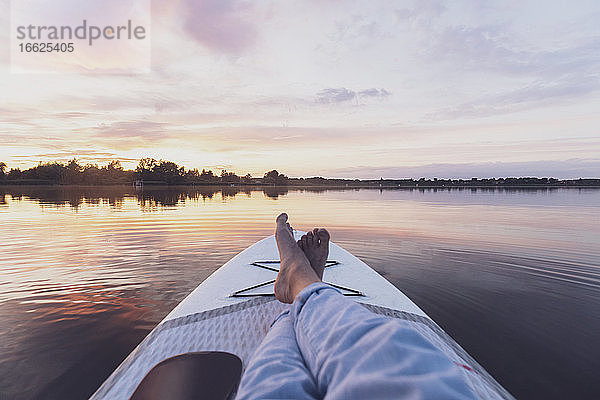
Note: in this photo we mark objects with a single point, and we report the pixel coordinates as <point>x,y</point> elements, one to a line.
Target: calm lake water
<point>86,273</point>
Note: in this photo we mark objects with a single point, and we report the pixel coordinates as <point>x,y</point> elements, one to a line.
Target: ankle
<point>301,278</point>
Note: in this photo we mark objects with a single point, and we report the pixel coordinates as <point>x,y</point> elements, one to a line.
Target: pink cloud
<point>222,25</point>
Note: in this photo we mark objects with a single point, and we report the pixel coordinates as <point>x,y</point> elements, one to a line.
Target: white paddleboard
<point>231,311</point>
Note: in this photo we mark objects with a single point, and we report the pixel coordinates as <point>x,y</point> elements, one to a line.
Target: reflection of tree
<point>154,197</point>
<point>274,192</point>
<point>161,197</point>
<point>229,191</point>
<point>151,197</point>
<point>72,196</point>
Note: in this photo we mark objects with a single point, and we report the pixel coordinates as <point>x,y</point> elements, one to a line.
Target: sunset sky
<point>362,89</point>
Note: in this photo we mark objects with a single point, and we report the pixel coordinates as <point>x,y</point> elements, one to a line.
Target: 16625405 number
<point>46,47</point>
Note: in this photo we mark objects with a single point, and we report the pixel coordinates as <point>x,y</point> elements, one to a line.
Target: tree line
<point>162,172</point>
<point>148,170</point>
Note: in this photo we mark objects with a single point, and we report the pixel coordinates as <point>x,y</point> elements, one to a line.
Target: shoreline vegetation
<point>167,173</point>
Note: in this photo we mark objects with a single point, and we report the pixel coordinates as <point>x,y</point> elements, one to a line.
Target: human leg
<point>351,352</point>
<point>355,354</point>
<point>277,369</point>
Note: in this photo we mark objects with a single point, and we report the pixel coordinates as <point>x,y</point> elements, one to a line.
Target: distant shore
<point>151,172</point>
<point>252,186</point>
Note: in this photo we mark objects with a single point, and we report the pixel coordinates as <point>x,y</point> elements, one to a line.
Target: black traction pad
<point>201,375</point>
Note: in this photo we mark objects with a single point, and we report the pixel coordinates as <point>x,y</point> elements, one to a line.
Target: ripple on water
<point>86,273</point>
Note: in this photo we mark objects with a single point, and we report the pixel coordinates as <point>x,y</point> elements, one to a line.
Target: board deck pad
<point>207,375</point>
<point>268,288</point>
<point>211,318</point>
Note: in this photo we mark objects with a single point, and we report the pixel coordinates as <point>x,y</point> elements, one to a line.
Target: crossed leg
<point>328,346</point>
<point>277,369</point>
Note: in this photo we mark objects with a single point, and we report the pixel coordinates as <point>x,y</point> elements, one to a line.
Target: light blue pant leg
<point>277,369</point>
<point>356,354</point>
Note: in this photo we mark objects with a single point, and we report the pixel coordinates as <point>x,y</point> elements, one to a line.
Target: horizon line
<point>216,169</point>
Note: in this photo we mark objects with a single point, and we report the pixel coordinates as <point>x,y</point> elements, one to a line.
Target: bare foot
<point>315,245</point>
<point>295,272</point>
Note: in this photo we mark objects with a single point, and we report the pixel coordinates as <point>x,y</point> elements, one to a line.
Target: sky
<point>336,88</point>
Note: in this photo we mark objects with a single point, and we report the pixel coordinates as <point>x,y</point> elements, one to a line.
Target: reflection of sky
<point>366,89</point>
<point>81,285</point>
<point>95,243</point>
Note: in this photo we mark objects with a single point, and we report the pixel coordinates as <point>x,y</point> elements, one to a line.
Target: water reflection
<point>148,197</point>
<point>153,196</point>
<point>59,346</point>
<point>87,272</point>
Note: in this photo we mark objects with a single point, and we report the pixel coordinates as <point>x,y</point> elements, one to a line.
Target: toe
<point>300,243</point>
<point>323,235</point>
<point>311,238</point>
<point>304,240</point>
<point>283,235</point>
<point>282,218</point>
